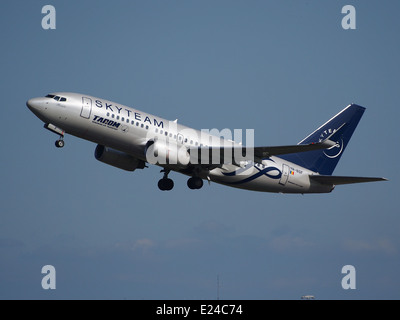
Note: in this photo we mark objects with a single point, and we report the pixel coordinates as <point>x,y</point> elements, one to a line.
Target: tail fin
<point>339,129</point>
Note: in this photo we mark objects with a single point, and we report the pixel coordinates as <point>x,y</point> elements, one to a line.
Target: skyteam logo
<point>337,149</point>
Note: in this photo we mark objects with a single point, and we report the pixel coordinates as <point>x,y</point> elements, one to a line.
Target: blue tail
<point>340,129</point>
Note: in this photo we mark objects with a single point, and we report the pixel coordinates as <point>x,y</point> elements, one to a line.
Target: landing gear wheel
<point>165,184</point>
<point>195,183</point>
<point>60,143</point>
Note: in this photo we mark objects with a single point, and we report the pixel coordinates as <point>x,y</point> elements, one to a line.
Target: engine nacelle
<point>117,158</point>
<point>166,153</point>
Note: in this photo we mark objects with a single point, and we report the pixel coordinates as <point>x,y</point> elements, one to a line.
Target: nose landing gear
<point>60,142</point>
<point>51,127</point>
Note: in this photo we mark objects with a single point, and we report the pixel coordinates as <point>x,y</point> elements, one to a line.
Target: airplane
<point>129,139</point>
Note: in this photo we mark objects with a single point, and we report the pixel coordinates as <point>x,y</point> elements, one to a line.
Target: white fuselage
<point>128,130</point>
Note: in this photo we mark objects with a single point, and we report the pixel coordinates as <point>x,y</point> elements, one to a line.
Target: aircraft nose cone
<point>33,104</point>
<point>29,104</point>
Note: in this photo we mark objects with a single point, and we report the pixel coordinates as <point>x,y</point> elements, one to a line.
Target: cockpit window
<point>57,98</point>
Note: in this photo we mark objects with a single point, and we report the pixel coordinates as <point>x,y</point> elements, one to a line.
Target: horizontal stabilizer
<point>337,180</point>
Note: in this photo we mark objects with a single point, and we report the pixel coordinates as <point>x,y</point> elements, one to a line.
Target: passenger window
<point>166,133</point>
<point>137,124</point>
<point>108,114</point>
<point>127,120</point>
<point>156,130</point>
<point>147,127</point>
<point>132,122</point>
<point>112,116</point>
<point>142,125</point>
<point>122,119</point>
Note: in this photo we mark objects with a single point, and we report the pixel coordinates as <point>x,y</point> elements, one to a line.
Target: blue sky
<point>281,68</point>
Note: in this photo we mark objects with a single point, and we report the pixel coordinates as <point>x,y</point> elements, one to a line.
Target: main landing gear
<point>195,183</point>
<point>166,184</point>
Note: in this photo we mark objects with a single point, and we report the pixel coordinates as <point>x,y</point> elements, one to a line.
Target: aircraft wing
<point>263,152</point>
<point>223,155</point>
<point>336,180</point>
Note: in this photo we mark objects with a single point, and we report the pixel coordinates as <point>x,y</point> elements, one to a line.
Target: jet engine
<point>117,158</point>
